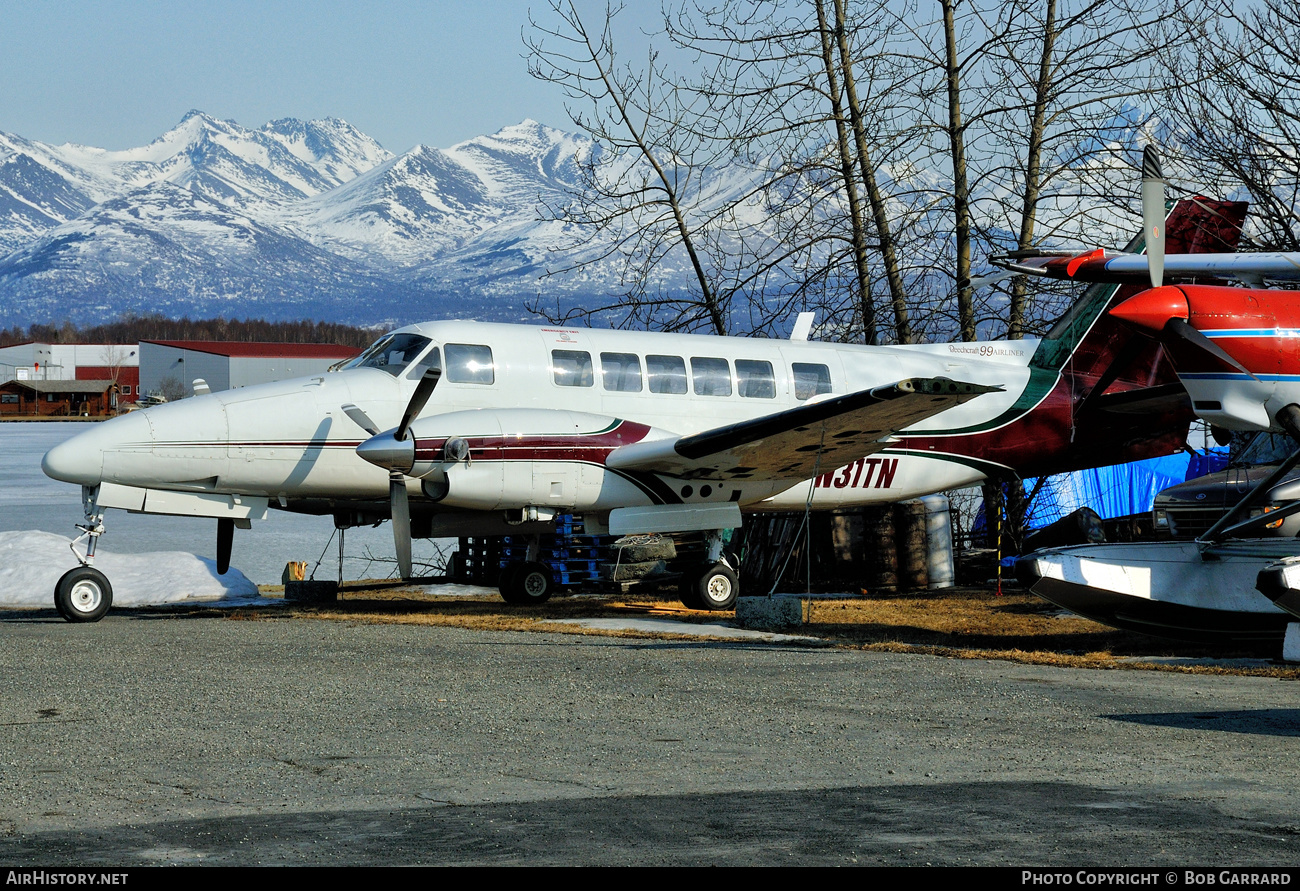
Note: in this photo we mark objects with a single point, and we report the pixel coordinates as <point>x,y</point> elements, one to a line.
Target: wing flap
<point>795,443</point>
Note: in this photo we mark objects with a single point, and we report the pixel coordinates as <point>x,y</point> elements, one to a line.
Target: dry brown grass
<point>969,623</point>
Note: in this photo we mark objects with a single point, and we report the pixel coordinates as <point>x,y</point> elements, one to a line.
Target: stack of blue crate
<point>573,556</point>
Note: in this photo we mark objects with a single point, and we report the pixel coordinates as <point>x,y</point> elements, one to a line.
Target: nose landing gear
<point>83,593</point>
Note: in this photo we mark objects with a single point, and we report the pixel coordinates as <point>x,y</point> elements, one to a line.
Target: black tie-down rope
<point>805,528</point>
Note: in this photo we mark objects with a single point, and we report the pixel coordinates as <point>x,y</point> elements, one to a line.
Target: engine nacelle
<point>525,458</point>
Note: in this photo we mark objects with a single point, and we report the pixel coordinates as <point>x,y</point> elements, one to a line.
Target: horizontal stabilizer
<point>797,443</point>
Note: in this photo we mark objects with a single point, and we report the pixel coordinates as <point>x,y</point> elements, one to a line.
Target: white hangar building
<point>225,365</point>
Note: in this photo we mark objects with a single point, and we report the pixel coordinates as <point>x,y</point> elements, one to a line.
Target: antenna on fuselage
<point>803,326</point>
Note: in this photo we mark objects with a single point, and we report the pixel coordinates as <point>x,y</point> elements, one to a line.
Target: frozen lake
<point>29,500</point>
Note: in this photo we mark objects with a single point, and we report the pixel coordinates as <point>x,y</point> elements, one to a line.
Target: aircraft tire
<point>686,588</point>
<point>83,594</point>
<point>717,587</point>
<point>506,582</point>
<point>531,583</point>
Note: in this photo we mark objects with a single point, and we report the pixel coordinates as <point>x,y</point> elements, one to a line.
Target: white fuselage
<point>290,442</point>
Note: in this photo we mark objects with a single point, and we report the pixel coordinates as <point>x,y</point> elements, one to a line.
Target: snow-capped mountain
<point>292,219</point>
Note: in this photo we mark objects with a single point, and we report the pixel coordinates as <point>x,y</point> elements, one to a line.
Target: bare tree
<point>1071,78</point>
<point>1235,109</point>
<point>787,84</point>
<point>114,358</point>
<point>870,180</point>
<point>883,145</point>
<point>171,388</point>
<point>640,185</point>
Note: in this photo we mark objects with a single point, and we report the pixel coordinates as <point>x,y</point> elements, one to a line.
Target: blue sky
<point>117,74</point>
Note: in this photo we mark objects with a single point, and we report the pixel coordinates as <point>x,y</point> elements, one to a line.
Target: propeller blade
<point>1153,213</point>
<point>1196,338</point>
<point>225,541</point>
<point>423,390</point>
<point>401,510</point>
<point>360,418</point>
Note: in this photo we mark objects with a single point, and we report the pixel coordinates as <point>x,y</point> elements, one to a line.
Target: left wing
<point>800,442</point>
<point>1107,266</point>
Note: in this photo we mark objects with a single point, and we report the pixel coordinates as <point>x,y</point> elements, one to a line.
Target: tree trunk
<point>850,183</point>
<point>897,294</point>
<point>960,189</point>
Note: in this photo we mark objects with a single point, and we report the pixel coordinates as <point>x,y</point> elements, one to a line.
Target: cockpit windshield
<point>392,353</point>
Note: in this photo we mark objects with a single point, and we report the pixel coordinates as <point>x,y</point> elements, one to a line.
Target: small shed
<point>57,398</point>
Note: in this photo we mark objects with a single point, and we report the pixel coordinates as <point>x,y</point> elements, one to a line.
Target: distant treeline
<point>134,329</point>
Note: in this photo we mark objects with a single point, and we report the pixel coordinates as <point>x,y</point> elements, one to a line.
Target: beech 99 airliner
<point>463,428</point>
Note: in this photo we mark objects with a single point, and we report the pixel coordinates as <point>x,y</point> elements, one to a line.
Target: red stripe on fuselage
<point>589,447</point>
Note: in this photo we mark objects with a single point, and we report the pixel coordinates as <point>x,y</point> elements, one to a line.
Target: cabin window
<point>126,389</point>
<point>712,377</point>
<point>572,368</point>
<point>620,372</point>
<point>9,398</point>
<point>392,353</point>
<point>432,359</point>
<point>811,380</point>
<point>667,374</point>
<point>470,363</point>
<point>754,379</point>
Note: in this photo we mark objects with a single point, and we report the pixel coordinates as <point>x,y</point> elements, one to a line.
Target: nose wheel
<point>83,594</point>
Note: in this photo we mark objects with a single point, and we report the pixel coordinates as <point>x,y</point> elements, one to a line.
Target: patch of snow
<point>31,564</point>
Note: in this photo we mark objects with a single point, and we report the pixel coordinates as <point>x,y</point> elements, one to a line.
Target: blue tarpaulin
<point>1119,490</point>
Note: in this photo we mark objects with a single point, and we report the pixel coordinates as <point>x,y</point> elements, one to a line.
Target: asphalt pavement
<point>174,738</point>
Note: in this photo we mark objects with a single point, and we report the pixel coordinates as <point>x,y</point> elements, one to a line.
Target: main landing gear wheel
<point>83,594</point>
<point>505,581</point>
<point>713,588</point>
<point>527,583</point>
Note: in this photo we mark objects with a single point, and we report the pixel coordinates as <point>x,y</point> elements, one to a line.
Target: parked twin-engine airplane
<point>493,429</point>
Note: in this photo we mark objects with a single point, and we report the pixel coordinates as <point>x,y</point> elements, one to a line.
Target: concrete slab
<point>781,612</point>
<point>690,629</point>
<point>1204,661</point>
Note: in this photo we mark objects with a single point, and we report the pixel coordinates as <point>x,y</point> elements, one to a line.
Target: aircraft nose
<point>387,451</point>
<point>1153,308</point>
<point>80,460</point>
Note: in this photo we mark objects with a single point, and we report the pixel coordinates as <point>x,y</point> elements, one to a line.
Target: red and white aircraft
<point>1236,349</point>
<point>494,429</point>
<point>1237,352</point>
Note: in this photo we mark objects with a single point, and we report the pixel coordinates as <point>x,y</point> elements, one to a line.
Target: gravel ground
<point>149,739</point>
